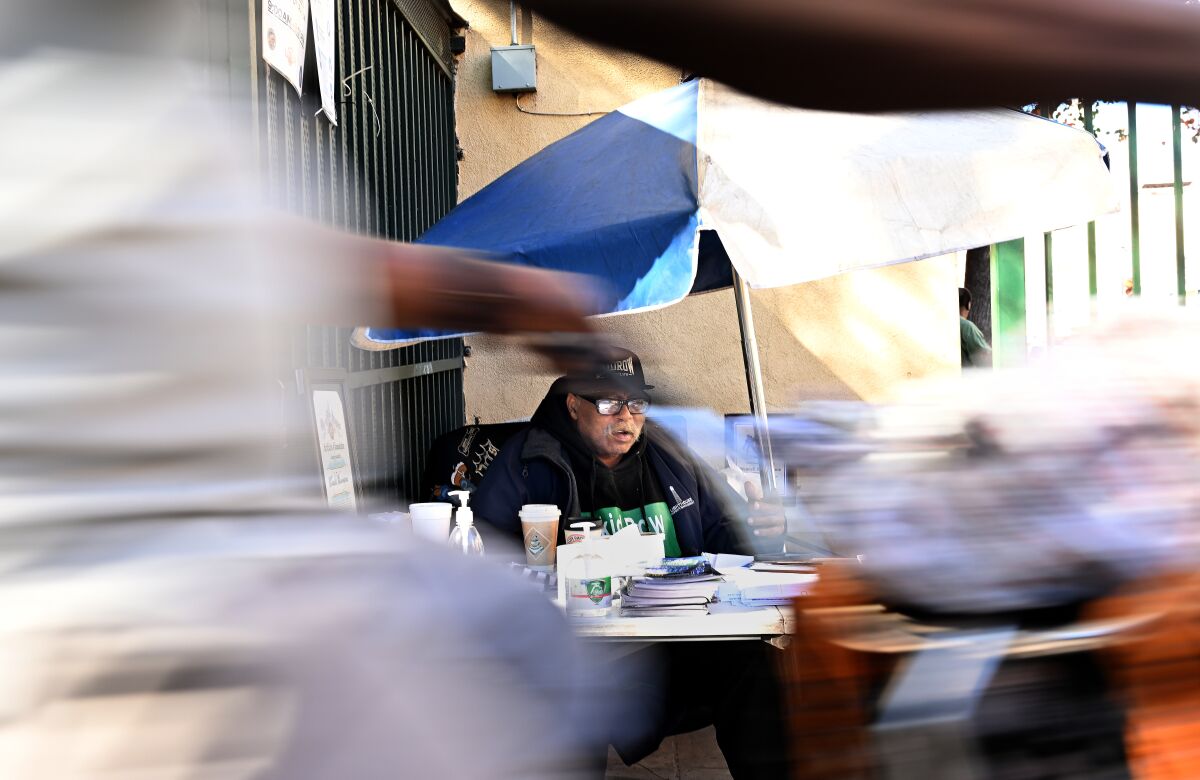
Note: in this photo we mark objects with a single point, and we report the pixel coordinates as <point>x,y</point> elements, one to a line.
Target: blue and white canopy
<point>794,195</point>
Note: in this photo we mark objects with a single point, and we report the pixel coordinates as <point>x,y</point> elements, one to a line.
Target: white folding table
<point>724,622</point>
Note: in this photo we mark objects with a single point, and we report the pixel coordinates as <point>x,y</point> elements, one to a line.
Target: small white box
<point>514,68</point>
<point>623,555</point>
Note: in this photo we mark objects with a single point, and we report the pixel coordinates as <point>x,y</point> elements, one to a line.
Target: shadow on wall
<point>691,352</point>
<point>700,352</point>
<point>691,364</point>
<point>858,336</point>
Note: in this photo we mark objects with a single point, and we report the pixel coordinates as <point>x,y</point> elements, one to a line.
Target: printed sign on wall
<point>323,20</point>
<point>333,442</point>
<point>285,38</point>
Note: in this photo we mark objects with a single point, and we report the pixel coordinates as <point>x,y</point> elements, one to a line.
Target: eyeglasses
<point>611,406</point>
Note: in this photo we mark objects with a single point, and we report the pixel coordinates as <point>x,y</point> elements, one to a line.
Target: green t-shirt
<point>975,349</point>
<point>656,520</point>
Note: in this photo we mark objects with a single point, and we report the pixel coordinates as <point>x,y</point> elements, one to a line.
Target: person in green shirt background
<point>975,350</point>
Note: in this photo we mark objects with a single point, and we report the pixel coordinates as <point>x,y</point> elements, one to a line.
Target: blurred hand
<point>545,309</point>
<point>430,287</point>
<point>413,286</point>
<point>765,518</point>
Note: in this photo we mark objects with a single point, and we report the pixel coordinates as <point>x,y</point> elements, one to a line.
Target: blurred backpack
<point>459,459</point>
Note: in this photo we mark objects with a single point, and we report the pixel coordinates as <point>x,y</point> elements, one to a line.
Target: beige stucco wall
<point>855,336</point>
<point>572,77</point>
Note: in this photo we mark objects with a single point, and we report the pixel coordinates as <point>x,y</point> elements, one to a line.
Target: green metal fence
<point>1009,289</point>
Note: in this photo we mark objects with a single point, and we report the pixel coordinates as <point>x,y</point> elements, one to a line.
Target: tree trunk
<point>979,284</point>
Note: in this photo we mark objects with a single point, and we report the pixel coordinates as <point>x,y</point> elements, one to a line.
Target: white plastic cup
<point>431,520</point>
<point>539,531</point>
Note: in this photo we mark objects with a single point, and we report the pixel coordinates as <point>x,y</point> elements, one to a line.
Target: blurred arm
<point>391,284</point>
<point>878,55</point>
<point>347,280</point>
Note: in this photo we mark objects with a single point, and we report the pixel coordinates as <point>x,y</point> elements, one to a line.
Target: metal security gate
<point>388,169</point>
<point>398,401</point>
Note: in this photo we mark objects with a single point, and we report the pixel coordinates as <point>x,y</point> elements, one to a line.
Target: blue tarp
<point>617,199</point>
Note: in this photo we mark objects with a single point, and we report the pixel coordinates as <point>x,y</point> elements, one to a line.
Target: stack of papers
<point>723,561</point>
<point>669,595</point>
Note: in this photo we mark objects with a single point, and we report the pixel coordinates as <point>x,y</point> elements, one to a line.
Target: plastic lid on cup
<point>431,509</point>
<point>540,510</point>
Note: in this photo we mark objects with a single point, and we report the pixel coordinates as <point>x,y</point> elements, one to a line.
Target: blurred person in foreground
<point>976,353</point>
<point>590,451</point>
<point>172,601</point>
<point>1028,499</point>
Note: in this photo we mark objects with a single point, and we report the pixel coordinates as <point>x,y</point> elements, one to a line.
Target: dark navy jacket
<point>533,469</point>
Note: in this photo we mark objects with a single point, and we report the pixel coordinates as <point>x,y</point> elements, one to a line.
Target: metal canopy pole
<point>754,382</point>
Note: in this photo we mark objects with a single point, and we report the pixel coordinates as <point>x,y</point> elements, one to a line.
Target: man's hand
<point>765,518</point>
<point>433,287</point>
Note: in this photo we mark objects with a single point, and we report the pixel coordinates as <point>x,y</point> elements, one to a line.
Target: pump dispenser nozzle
<point>465,536</point>
<point>463,515</point>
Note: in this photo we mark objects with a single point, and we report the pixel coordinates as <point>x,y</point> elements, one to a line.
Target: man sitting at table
<point>590,451</point>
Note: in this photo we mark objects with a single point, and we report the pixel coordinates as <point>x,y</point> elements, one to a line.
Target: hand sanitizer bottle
<point>589,594</point>
<point>465,536</point>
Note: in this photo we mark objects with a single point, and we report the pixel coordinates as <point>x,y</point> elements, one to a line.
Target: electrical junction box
<point>514,68</point>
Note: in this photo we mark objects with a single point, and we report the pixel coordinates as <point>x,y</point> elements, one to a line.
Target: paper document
<point>723,561</point>
<point>758,589</point>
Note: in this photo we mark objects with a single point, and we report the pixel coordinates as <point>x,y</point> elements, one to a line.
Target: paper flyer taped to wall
<point>285,38</point>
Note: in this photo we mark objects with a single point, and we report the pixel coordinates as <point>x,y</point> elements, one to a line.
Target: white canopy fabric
<point>798,195</point>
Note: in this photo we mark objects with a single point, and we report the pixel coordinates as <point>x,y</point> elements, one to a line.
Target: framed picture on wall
<point>331,432</point>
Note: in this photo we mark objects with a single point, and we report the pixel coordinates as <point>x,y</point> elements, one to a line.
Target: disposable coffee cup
<point>539,530</point>
<point>431,520</point>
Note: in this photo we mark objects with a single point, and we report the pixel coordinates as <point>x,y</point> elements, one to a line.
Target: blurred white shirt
<point>159,616</point>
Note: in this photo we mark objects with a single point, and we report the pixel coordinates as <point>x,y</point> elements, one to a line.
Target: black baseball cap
<point>621,371</point>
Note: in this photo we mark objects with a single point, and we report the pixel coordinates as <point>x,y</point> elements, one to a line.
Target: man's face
<point>608,436</point>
